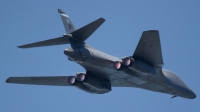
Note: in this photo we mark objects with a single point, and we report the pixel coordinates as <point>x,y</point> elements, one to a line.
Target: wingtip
<point>8,80</point>
<point>22,47</point>
<point>19,46</point>
<point>102,19</point>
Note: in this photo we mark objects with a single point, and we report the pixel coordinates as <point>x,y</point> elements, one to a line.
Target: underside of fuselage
<point>150,78</point>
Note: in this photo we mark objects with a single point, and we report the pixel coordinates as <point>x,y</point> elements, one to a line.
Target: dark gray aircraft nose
<point>193,95</point>
<point>189,93</point>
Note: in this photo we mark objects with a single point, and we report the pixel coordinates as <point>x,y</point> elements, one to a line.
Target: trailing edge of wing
<point>149,48</point>
<point>51,80</point>
<point>50,42</point>
<point>83,33</point>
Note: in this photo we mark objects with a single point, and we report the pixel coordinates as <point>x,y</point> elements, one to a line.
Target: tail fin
<point>149,48</point>
<point>73,36</point>
<point>83,33</point>
<point>69,27</point>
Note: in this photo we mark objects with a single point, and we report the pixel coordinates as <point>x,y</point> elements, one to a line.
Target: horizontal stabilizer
<point>49,80</point>
<point>83,33</point>
<point>149,48</point>
<point>50,42</point>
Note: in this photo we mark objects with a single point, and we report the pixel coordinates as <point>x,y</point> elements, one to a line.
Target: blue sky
<point>24,21</point>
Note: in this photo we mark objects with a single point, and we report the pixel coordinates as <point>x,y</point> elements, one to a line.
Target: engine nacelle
<point>117,65</point>
<point>137,66</point>
<point>126,62</point>
<point>90,83</point>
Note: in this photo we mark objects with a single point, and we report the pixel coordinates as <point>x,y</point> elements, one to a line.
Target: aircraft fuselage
<point>139,74</point>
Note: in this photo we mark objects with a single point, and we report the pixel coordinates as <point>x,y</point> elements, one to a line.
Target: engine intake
<point>137,66</point>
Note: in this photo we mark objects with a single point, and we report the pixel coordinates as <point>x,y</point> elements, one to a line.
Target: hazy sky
<point>27,21</point>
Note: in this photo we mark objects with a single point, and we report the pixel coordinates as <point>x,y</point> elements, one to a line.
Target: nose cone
<point>193,95</point>
<point>190,94</point>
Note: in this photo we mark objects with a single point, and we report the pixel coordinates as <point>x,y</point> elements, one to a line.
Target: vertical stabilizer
<point>73,36</point>
<point>69,27</point>
<point>149,48</point>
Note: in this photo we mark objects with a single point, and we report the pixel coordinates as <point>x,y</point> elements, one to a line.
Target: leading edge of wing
<point>149,48</point>
<point>48,80</point>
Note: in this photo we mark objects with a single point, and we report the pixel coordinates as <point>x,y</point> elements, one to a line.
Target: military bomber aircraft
<point>141,70</point>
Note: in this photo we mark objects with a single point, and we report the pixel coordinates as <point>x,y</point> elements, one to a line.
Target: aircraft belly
<point>124,79</point>
<point>153,87</point>
<point>99,65</point>
<point>117,78</point>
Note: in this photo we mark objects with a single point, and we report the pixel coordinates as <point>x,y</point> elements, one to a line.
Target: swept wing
<point>48,80</point>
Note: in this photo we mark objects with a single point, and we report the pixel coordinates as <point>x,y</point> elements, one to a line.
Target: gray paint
<point>145,70</point>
